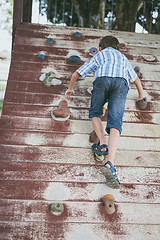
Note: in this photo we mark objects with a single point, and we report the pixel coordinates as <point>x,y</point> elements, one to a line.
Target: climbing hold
<point>99,157</point>
<point>47,78</point>
<point>42,77</point>
<point>142,104</point>
<point>42,56</point>
<point>56,81</point>
<point>149,58</point>
<point>56,208</point>
<point>104,111</point>
<point>109,201</point>
<point>77,34</point>
<point>62,113</point>
<point>93,51</point>
<point>93,138</point>
<point>74,59</point>
<point>137,70</point>
<point>89,90</point>
<point>50,40</point>
<point>122,45</point>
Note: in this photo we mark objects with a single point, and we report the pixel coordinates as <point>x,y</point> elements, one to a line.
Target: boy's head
<point>109,41</point>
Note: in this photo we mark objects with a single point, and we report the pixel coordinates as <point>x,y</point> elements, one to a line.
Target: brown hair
<point>109,41</point>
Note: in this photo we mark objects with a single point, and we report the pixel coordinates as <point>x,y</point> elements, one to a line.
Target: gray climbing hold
<point>137,70</point>
<point>142,104</point>
<point>74,59</point>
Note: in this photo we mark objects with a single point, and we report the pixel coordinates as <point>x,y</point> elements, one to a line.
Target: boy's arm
<point>139,87</point>
<point>70,90</point>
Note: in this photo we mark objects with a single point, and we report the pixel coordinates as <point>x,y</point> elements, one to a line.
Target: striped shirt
<point>109,62</point>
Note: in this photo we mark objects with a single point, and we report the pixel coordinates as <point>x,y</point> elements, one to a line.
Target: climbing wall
<point>46,162</point>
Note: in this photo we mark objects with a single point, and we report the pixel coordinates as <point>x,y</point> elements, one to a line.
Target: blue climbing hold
<point>77,34</point>
<point>50,40</point>
<point>42,56</point>
<point>74,59</point>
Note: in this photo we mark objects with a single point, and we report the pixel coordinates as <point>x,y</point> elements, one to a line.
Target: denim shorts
<point>111,90</point>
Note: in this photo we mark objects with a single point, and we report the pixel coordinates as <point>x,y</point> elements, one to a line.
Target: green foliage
<point>6,15</point>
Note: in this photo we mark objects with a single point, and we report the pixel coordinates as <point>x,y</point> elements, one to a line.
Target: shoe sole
<point>111,181</point>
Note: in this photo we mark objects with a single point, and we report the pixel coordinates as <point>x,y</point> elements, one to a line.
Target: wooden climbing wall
<point>44,161</point>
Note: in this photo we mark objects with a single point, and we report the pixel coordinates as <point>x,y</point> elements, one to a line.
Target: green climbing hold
<point>56,207</point>
<point>99,157</point>
<point>48,79</point>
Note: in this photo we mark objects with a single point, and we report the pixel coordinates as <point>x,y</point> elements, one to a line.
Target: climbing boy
<point>111,84</point>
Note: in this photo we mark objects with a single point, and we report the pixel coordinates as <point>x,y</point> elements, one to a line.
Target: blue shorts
<point>111,90</point>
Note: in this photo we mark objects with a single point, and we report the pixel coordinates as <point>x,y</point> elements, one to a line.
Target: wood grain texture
<point>45,161</point>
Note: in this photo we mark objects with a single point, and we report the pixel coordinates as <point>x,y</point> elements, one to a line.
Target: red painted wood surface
<point>43,161</point>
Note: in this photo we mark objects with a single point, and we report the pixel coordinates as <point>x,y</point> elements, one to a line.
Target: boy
<point>111,84</point>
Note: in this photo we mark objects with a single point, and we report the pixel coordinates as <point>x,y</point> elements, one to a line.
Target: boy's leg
<point>98,127</point>
<point>112,140</point>
<point>113,144</point>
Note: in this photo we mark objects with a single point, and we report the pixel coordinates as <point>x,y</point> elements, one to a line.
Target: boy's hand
<point>68,93</point>
<point>141,97</point>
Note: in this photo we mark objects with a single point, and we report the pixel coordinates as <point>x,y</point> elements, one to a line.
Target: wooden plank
<point>74,126</point>
<point>80,90</point>
<point>30,79</point>
<point>67,70</point>
<point>80,191</point>
<point>75,102</point>
<point>84,44</point>
<point>29,110</point>
<point>34,75</point>
<point>35,138</point>
<point>30,54</point>
<point>68,231</point>
<point>130,38</point>
<point>82,212</point>
<point>89,32</point>
<point>23,153</point>
<point>66,67</point>
<point>75,173</point>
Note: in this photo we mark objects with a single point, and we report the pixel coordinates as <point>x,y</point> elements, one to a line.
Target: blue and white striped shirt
<point>108,62</point>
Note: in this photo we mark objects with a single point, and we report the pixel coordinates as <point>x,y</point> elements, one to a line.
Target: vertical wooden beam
<point>17,16</point>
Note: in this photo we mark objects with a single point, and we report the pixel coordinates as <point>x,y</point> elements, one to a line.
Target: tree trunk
<point>126,12</point>
<point>87,12</point>
<point>27,10</point>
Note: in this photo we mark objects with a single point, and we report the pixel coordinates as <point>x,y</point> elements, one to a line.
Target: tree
<point>93,13</point>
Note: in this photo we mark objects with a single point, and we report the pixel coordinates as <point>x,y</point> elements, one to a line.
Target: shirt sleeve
<point>131,73</point>
<point>88,67</point>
